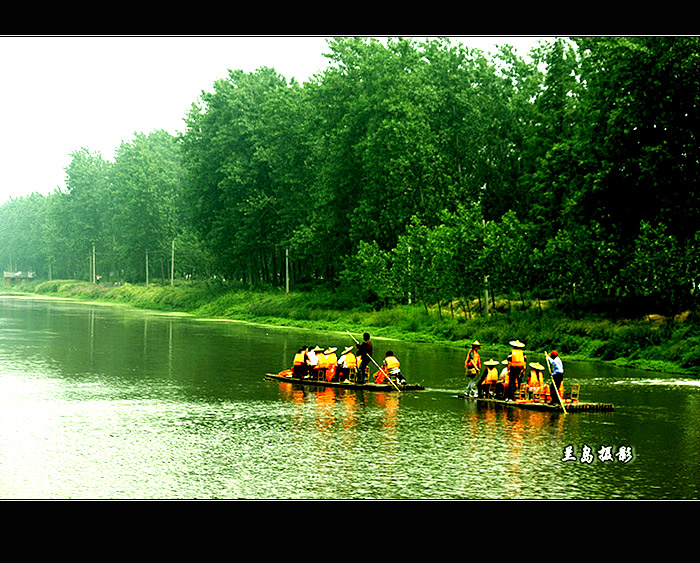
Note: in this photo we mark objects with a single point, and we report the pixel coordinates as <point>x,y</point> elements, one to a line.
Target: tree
<point>367,275</point>
<point>639,141</point>
<point>82,216</point>
<point>230,188</point>
<point>23,234</point>
<point>655,270</point>
<point>146,179</point>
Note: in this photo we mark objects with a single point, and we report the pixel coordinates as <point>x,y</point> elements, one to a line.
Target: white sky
<point>59,94</point>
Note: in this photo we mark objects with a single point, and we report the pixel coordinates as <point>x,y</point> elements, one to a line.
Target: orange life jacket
<point>473,362</point>
<point>517,358</point>
<point>350,360</point>
<point>491,375</point>
<point>392,363</point>
<point>535,379</point>
<point>331,361</point>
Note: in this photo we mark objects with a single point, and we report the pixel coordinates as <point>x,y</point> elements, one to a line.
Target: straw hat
<point>537,366</point>
<point>516,344</point>
<point>491,362</point>
<point>330,350</point>
<point>317,349</point>
<point>347,350</point>
<point>476,343</point>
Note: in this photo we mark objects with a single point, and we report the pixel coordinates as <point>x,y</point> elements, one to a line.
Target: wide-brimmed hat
<point>537,366</point>
<point>491,362</point>
<point>330,350</point>
<point>317,349</point>
<point>516,344</point>
<point>347,349</point>
<point>476,343</point>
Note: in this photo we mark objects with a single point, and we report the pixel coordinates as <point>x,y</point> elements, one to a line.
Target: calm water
<point>106,402</point>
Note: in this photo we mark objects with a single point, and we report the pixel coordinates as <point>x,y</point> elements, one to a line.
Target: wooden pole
<point>554,384</point>
<point>376,364</point>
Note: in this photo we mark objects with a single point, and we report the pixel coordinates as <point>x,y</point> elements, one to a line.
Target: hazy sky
<point>59,94</point>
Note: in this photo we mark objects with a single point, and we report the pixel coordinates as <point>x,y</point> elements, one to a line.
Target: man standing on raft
<point>472,365</point>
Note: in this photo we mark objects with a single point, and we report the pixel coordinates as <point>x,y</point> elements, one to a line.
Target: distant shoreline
<point>640,344</point>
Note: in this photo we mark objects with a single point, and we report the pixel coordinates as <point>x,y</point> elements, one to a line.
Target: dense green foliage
<point>407,172</point>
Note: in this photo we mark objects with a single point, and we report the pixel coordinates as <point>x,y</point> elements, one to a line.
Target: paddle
<point>554,385</point>
<point>375,363</point>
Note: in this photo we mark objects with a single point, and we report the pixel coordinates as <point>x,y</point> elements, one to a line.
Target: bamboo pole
<point>554,385</point>
<point>376,364</point>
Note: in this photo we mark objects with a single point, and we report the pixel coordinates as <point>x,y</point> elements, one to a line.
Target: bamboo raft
<point>287,377</point>
<point>542,406</point>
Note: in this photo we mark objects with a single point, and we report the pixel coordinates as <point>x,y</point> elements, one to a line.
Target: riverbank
<point>663,344</point>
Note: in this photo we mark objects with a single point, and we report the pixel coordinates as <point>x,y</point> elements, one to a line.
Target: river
<point>109,402</point>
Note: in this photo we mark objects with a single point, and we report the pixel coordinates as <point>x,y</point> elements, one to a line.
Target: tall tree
<point>228,182</point>
<point>82,216</point>
<point>146,176</point>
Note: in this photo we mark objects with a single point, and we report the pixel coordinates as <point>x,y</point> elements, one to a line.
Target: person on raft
<point>472,365</point>
<point>391,368</point>
<point>557,367</point>
<point>364,350</point>
<point>517,360</point>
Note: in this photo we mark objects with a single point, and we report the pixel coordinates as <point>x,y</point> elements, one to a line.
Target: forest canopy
<point>418,171</point>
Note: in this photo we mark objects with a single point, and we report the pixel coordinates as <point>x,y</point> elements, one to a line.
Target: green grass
<point>668,344</point>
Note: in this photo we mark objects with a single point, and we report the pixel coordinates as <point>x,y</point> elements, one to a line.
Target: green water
<point>101,402</point>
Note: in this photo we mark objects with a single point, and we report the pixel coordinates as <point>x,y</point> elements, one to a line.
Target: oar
<point>375,363</point>
<point>554,384</point>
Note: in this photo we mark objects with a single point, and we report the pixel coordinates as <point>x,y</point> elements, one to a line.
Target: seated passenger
<point>299,365</point>
<point>331,363</point>
<point>535,381</point>
<point>346,363</point>
<point>491,377</point>
<point>312,361</point>
<point>392,368</point>
<point>503,381</point>
<point>322,363</point>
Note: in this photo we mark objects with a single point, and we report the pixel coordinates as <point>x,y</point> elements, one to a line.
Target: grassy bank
<point>651,342</point>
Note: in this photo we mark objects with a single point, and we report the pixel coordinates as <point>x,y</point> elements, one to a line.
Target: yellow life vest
<point>322,362</point>
<point>299,359</point>
<point>392,363</point>
<point>350,360</point>
<point>535,379</point>
<point>517,358</point>
<point>491,375</point>
<point>473,362</point>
